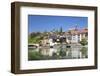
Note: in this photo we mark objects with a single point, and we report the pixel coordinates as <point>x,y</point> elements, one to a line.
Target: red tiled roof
<point>84,30</point>
<point>76,31</point>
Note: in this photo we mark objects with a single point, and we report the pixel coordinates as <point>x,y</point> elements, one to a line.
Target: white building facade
<point>75,35</point>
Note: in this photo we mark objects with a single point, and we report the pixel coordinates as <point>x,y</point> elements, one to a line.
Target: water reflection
<point>57,52</point>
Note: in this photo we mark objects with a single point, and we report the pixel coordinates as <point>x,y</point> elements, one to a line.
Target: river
<point>57,52</point>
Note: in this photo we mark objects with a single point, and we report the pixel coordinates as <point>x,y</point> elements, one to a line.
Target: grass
<point>35,39</point>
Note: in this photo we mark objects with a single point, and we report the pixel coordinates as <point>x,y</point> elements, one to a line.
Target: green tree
<point>83,42</point>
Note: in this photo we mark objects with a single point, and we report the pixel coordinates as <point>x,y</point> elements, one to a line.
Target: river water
<point>57,52</point>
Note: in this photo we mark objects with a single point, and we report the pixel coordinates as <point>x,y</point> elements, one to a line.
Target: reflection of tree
<point>34,55</point>
<point>84,51</point>
<point>54,54</point>
<point>62,51</point>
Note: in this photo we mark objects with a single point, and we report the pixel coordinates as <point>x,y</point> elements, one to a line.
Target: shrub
<point>83,42</point>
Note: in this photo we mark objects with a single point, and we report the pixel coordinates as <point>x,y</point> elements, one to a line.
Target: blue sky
<point>41,23</point>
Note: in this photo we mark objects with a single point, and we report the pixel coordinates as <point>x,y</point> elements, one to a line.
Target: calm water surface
<point>57,52</point>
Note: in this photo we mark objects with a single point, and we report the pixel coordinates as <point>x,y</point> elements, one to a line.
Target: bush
<point>83,42</point>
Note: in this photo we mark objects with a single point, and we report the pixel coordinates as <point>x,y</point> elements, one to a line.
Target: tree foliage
<point>83,42</point>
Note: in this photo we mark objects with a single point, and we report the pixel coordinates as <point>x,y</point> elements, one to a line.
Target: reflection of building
<point>75,35</point>
<point>73,52</point>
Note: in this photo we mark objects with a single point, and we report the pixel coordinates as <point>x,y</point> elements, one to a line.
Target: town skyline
<point>42,23</point>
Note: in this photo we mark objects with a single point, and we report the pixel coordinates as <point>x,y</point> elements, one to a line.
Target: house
<point>76,35</point>
<point>44,41</point>
<point>71,36</point>
<point>52,40</point>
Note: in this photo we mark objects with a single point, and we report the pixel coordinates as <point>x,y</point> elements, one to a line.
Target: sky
<point>41,23</point>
